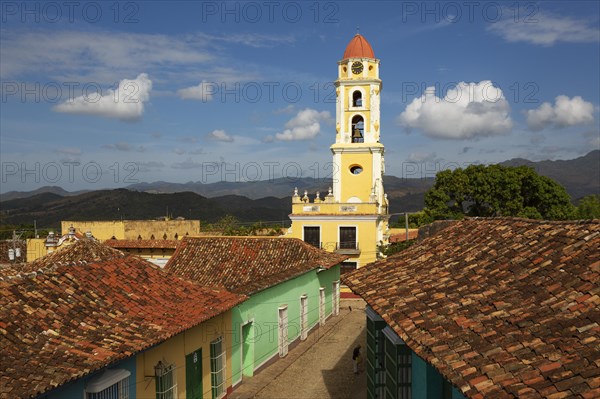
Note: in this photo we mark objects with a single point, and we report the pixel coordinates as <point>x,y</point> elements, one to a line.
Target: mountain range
<point>248,201</point>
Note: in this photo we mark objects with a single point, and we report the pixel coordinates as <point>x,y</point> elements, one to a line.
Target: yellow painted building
<point>187,352</point>
<point>147,233</point>
<point>353,217</point>
<point>170,229</point>
<point>38,247</point>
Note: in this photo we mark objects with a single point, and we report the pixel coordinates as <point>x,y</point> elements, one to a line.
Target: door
<point>247,350</point>
<point>193,375</point>
<point>348,238</point>
<point>312,235</point>
<point>283,331</point>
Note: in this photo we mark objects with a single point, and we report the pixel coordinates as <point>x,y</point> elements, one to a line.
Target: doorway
<point>193,375</point>
<point>248,349</point>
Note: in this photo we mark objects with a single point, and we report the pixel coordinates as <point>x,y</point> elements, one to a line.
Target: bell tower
<point>357,152</point>
<point>352,218</point>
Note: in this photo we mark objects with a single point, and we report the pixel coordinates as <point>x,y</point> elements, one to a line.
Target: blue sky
<point>104,94</point>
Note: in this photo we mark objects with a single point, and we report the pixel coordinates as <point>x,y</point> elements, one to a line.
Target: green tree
<point>228,225</point>
<point>496,190</point>
<point>589,207</point>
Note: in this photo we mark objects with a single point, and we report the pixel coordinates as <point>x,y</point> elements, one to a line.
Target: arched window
<point>358,126</point>
<point>357,99</point>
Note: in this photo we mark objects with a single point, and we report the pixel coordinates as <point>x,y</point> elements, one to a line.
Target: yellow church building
<point>352,218</point>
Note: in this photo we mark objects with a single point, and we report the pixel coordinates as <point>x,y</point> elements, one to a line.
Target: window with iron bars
<point>112,384</point>
<point>166,381</point>
<point>217,368</point>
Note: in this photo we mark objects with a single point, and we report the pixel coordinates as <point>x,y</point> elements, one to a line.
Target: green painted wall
<point>261,340</point>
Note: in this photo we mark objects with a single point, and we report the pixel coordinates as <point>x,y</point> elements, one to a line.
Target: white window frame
<point>322,306</point>
<point>103,385</point>
<point>282,322</point>
<point>335,294</point>
<point>168,391</point>
<point>303,317</point>
<point>218,390</point>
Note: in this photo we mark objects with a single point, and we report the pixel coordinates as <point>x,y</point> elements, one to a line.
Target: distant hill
<point>281,187</point>
<point>579,176</point>
<point>46,189</point>
<point>48,209</point>
<point>248,201</point>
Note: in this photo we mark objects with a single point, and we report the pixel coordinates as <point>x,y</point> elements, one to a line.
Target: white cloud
<point>125,103</point>
<point>69,151</point>
<point>188,164</point>
<point>203,91</point>
<point>151,165</point>
<point>545,29</point>
<point>422,157</point>
<point>220,135</point>
<point>124,146</point>
<point>99,55</point>
<point>467,111</point>
<point>178,151</point>
<point>565,112</point>
<point>593,139</point>
<point>304,126</point>
<point>256,40</point>
<point>285,110</point>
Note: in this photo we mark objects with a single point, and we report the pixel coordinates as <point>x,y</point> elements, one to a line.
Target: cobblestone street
<point>320,366</point>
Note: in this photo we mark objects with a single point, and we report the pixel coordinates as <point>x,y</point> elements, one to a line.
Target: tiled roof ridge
<point>232,261</point>
<point>41,270</point>
<point>315,251</point>
<point>54,267</point>
<point>144,243</point>
<point>535,221</point>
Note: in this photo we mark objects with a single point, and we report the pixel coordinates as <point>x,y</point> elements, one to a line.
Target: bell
<point>356,134</point>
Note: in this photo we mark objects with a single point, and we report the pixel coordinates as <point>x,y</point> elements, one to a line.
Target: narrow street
<point>321,366</point>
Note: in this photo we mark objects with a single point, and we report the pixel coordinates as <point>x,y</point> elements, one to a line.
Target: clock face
<point>357,67</point>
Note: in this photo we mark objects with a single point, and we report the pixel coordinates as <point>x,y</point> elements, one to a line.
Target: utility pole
<point>15,251</point>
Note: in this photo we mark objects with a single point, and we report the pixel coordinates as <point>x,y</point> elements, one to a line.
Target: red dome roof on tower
<point>358,47</point>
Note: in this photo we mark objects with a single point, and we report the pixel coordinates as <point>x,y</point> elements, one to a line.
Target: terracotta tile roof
<point>401,237</point>
<point>68,322</point>
<point>153,244</point>
<point>358,47</point>
<point>246,264</point>
<point>501,307</point>
<point>81,251</point>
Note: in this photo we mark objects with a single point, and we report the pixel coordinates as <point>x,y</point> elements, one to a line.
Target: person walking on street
<point>356,358</point>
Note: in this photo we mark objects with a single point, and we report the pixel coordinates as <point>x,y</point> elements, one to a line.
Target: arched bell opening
<point>358,127</point>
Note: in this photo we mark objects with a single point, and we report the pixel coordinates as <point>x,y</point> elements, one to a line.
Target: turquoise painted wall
<point>75,389</point>
<point>262,311</point>
<point>426,381</point>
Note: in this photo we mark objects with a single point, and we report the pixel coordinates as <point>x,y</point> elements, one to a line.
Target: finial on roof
<point>357,30</point>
